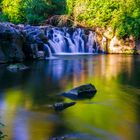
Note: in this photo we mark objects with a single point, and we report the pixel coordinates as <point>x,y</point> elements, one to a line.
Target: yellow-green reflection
<point>113,108</point>
<point>111,114</point>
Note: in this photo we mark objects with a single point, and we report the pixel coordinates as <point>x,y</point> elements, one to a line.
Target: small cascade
<point>70,40</point>
<point>47,49</point>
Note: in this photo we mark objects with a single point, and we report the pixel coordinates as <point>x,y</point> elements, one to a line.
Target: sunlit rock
<point>82,92</point>
<point>122,46</point>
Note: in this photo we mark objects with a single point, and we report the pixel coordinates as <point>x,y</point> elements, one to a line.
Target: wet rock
<point>61,106</point>
<point>17,67</point>
<point>11,43</point>
<point>82,92</point>
<point>2,57</point>
<point>35,40</point>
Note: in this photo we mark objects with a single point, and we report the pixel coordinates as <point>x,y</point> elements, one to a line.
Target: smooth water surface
<point>113,113</point>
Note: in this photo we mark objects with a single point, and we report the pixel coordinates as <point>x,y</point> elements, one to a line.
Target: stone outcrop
<point>11,43</point>
<point>20,42</point>
<point>35,40</point>
<point>111,44</point>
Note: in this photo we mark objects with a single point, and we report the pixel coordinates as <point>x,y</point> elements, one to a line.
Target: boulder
<point>61,106</point>
<point>86,91</point>
<point>11,43</point>
<point>17,67</point>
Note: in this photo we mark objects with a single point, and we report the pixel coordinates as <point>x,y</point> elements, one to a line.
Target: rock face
<point>111,44</point>
<point>86,91</point>
<point>20,42</point>
<point>11,43</point>
<point>35,40</point>
<point>122,46</point>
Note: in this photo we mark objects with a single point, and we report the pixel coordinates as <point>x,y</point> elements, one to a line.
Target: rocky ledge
<point>20,42</point>
<point>114,45</point>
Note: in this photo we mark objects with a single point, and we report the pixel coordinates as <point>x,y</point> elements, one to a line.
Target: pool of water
<point>112,114</point>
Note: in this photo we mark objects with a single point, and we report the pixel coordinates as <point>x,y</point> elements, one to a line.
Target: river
<point>112,114</point>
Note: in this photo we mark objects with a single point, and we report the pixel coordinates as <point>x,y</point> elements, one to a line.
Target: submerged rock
<point>61,106</point>
<point>17,67</point>
<point>58,138</point>
<point>82,92</point>
<point>75,136</point>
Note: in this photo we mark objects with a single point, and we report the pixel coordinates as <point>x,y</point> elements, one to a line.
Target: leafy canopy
<point>123,16</point>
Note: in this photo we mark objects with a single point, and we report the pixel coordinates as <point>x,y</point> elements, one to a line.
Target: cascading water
<point>70,40</point>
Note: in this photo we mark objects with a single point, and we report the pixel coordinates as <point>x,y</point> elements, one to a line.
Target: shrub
<point>31,11</point>
<point>13,10</point>
<point>36,10</point>
<point>122,16</point>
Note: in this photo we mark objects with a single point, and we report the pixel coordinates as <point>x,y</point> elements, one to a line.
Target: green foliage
<point>31,11</point>
<point>59,6</point>
<point>13,10</point>
<point>122,15</point>
<point>36,10</point>
<point>70,7</point>
<point>3,18</point>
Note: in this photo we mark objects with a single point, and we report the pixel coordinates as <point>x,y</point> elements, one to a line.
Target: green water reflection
<point>113,114</point>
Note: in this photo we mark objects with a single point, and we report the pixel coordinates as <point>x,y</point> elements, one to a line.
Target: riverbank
<point>23,42</point>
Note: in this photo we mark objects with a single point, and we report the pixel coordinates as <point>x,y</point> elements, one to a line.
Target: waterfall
<point>70,40</point>
<point>47,49</point>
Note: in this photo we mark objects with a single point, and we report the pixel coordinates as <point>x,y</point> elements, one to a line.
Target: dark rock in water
<point>17,67</point>
<point>62,106</point>
<point>82,92</point>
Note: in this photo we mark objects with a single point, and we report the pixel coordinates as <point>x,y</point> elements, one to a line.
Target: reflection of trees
<point>115,111</point>
<point>131,95</point>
